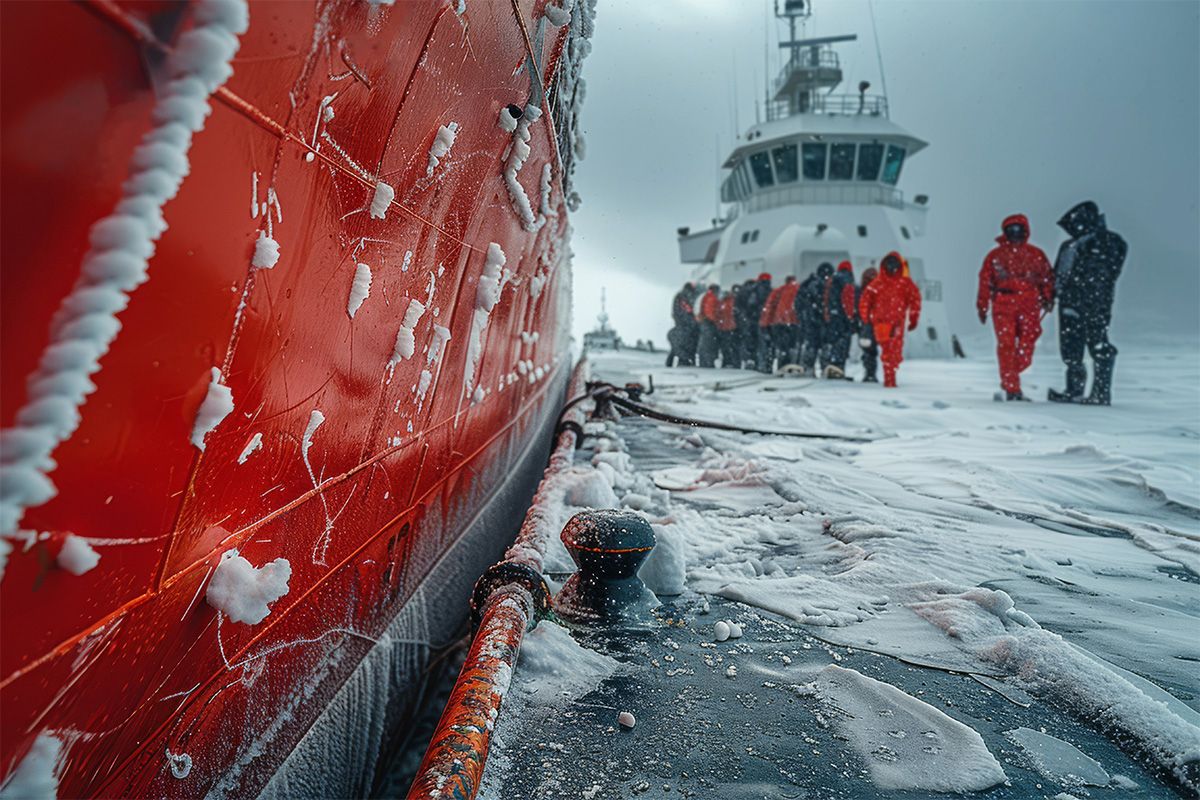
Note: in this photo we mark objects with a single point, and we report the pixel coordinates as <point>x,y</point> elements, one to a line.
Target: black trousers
<point>835,343</point>
<point>1079,331</point>
<point>708,346</point>
<point>870,351</point>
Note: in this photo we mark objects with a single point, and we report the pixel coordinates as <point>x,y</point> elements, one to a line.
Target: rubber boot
<point>1101,382</point>
<point>1076,380</point>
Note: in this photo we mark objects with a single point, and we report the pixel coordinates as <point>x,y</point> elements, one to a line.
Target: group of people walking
<point>800,326</point>
<point>808,326</point>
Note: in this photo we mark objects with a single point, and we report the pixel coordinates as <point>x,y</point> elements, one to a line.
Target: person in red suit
<point>890,300</point>
<point>709,346</point>
<point>1016,281</point>
<point>727,328</point>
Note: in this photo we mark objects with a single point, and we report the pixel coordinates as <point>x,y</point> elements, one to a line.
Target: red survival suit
<point>1018,283</point>
<point>886,303</point>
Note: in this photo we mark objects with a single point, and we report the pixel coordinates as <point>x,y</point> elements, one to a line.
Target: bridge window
<point>760,165</point>
<point>814,161</point>
<point>870,156</point>
<point>841,162</point>
<point>785,163</point>
<point>891,166</point>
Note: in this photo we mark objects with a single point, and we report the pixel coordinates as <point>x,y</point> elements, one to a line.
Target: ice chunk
<point>253,445</point>
<point>77,556</point>
<point>442,142</point>
<point>217,405</point>
<point>406,340</point>
<point>423,383</point>
<point>557,16</point>
<point>36,777</point>
<point>266,252</point>
<point>487,295</point>
<point>1058,760</point>
<point>665,570</point>
<point>721,631</point>
<point>626,720</point>
<point>588,489</point>
<point>383,197</point>
<point>244,592</point>
<point>360,289</point>
<point>906,743</point>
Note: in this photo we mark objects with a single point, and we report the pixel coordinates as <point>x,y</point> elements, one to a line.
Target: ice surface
<point>216,406</point>
<point>360,289</point>
<point>1054,546</point>
<point>906,743</point>
<point>77,556</point>
<point>1058,760</point>
<point>36,776</point>
<point>243,592</point>
<point>552,671</point>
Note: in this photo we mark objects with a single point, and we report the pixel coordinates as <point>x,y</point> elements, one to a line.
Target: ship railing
<point>846,105</point>
<point>811,58</point>
<point>825,194</point>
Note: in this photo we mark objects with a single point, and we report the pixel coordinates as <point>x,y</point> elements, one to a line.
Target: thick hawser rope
<point>122,244</point>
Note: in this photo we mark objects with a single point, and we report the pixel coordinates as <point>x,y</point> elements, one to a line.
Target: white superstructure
<point>818,181</point>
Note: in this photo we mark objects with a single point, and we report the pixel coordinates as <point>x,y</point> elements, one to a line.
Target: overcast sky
<point>1027,106</point>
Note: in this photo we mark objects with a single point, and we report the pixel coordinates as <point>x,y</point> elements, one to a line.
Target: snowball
<point>626,720</point>
<point>77,556</point>
<point>721,631</point>
<point>266,252</point>
<point>735,630</point>
<point>244,592</point>
<point>217,405</point>
<point>360,289</point>
<point>384,195</point>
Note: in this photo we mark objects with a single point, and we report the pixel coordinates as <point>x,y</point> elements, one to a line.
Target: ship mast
<point>812,65</point>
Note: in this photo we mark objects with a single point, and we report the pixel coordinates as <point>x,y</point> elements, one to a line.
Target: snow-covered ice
<point>1050,551</point>
<point>906,743</point>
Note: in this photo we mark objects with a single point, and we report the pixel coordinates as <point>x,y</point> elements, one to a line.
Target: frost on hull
<point>359,505</point>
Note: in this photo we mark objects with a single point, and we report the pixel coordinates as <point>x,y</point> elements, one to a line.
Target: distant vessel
<point>817,181</point>
<point>602,337</point>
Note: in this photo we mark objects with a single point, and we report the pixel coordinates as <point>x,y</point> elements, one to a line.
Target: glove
<point>983,316</point>
<point>912,325</point>
<point>1048,305</point>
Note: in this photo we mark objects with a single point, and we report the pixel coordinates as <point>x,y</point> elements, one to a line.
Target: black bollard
<point>609,546</point>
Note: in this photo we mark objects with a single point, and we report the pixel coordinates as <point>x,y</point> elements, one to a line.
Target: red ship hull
<point>386,510</point>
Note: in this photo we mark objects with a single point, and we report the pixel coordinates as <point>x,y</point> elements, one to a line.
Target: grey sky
<point>1027,106</point>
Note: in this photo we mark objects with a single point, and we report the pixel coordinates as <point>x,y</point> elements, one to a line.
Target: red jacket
<point>708,307</point>
<point>725,319</point>
<point>785,307</point>
<point>890,300</point>
<point>848,289</point>
<point>1018,272</point>
<point>767,317</point>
